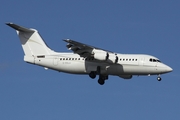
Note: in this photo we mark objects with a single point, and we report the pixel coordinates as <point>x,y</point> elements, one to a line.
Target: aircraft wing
<point>82,49</point>
<point>87,51</point>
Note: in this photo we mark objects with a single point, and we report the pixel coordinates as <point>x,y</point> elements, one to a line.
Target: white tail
<point>31,41</point>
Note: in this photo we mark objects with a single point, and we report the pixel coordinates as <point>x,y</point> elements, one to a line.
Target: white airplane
<point>87,59</point>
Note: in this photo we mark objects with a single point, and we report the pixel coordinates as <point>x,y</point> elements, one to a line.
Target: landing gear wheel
<point>159,78</point>
<point>92,75</point>
<point>101,82</point>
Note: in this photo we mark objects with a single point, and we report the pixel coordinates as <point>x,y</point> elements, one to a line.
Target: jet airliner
<point>86,59</point>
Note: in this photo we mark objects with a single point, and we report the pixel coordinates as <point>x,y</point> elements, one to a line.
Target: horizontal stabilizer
<point>19,28</point>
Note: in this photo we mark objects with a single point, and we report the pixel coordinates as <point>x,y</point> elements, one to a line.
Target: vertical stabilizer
<point>31,41</point>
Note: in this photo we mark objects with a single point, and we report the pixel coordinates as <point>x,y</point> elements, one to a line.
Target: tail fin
<point>31,41</point>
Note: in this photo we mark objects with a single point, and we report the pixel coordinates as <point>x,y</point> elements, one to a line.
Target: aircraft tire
<point>159,78</point>
<point>101,82</point>
<point>92,75</point>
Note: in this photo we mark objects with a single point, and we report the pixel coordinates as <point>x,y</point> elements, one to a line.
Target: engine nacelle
<point>105,56</point>
<point>112,58</point>
<point>100,54</point>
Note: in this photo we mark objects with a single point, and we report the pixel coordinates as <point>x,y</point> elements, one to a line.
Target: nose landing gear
<point>159,78</point>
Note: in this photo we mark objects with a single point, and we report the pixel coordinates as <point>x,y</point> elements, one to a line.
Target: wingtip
<point>66,40</point>
<point>8,23</point>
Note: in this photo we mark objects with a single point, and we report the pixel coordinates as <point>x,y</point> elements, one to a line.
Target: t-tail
<point>32,43</point>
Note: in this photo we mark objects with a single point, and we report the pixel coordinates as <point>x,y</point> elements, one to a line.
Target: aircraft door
<point>156,63</point>
<point>55,61</point>
<point>141,61</point>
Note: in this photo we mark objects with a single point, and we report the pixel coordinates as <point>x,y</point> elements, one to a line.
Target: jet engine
<point>112,58</point>
<point>100,54</point>
<point>105,56</point>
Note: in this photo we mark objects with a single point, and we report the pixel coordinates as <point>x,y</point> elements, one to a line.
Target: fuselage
<point>128,64</point>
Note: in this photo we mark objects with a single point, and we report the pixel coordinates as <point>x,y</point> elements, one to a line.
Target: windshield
<point>154,60</point>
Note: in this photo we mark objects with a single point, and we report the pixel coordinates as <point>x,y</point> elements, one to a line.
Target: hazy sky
<point>29,92</point>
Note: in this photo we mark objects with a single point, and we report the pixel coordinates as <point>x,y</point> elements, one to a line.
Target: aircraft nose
<point>169,69</point>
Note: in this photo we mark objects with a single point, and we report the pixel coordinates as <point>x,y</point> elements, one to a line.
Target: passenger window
<point>78,58</point>
<point>69,58</point>
<point>60,58</point>
<point>63,58</point>
<point>75,58</point>
<point>72,58</point>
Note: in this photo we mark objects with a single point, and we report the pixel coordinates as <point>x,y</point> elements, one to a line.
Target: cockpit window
<point>150,59</point>
<point>154,60</point>
<point>158,61</point>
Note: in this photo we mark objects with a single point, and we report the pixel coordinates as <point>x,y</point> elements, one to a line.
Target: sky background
<point>28,92</point>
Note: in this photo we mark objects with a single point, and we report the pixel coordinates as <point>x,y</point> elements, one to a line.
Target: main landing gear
<point>101,79</point>
<point>92,74</point>
<point>101,82</point>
